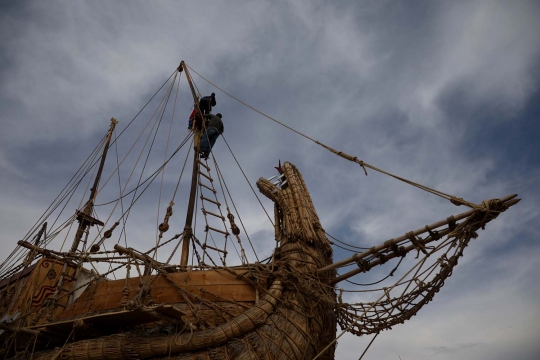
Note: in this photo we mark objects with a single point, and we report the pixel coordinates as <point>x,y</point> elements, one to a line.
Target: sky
<point>443,93</point>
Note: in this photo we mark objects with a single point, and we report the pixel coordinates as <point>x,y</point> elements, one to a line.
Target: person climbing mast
<point>214,127</point>
<point>206,103</point>
<point>192,118</point>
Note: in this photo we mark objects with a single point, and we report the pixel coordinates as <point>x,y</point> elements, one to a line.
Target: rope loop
<point>361,163</point>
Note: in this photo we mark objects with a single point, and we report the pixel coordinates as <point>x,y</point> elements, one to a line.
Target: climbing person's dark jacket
<point>209,99</point>
<point>213,120</point>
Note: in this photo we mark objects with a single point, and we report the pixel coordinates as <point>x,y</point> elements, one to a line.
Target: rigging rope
<point>370,307</point>
<point>236,210</point>
<point>161,107</point>
<point>242,257</point>
<point>249,183</point>
<point>158,121</point>
<point>163,172</point>
<point>380,281</point>
<point>347,244</point>
<point>81,172</point>
<point>90,162</point>
<point>81,201</point>
<point>77,174</point>
<point>120,198</point>
<point>154,175</point>
<point>145,105</point>
<point>165,98</point>
<point>455,200</point>
<point>371,342</point>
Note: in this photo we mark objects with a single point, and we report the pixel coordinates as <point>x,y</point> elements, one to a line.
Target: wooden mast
<point>197,128</point>
<point>85,217</point>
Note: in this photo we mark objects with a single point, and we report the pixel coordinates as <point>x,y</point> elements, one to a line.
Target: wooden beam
<point>389,243</point>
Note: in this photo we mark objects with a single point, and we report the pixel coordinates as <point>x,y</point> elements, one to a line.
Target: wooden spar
<point>142,257</point>
<point>389,243</point>
<point>30,257</point>
<point>188,230</point>
<point>44,252</point>
<point>85,217</point>
<point>12,329</point>
<point>387,257</point>
<point>507,200</point>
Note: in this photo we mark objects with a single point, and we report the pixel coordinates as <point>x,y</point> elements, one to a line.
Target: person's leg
<point>205,143</point>
<point>209,139</point>
<point>213,137</point>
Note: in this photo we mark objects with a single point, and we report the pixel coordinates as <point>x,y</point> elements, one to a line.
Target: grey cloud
<point>450,349</point>
<point>415,89</point>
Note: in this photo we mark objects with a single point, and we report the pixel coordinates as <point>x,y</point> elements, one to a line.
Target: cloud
<point>443,94</point>
<point>445,349</point>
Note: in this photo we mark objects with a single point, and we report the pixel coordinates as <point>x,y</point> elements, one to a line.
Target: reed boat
<point>91,303</point>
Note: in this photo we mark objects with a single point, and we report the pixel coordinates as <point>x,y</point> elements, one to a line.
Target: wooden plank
<point>41,284</point>
<point>210,285</point>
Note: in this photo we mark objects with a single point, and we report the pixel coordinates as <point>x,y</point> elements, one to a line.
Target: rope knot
<point>417,243</point>
<point>363,265</point>
<point>381,257</point>
<point>490,209</point>
<point>434,234</point>
<point>457,201</point>
<point>398,250</point>
<point>451,222</point>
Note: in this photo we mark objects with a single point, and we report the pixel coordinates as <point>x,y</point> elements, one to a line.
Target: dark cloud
<point>445,94</point>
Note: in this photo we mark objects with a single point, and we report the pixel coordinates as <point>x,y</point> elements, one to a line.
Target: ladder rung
<point>212,201</point>
<point>203,164</point>
<point>217,230</point>
<point>213,248</point>
<point>213,214</point>
<point>208,187</point>
<point>206,176</point>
